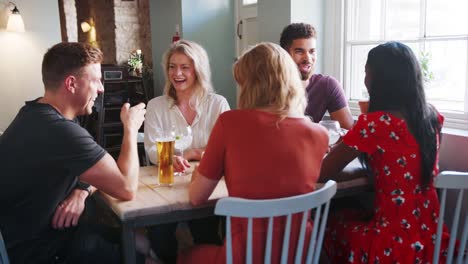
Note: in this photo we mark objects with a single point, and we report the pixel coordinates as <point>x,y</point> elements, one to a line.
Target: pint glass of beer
<point>165,148</point>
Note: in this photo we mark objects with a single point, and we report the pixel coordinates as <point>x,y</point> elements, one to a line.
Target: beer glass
<point>165,145</point>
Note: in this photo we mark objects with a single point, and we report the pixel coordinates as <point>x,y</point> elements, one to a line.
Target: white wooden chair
<point>3,252</point>
<point>452,180</point>
<point>246,208</point>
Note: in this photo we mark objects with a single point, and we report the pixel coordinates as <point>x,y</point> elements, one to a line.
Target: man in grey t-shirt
<point>44,153</point>
<point>324,93</point>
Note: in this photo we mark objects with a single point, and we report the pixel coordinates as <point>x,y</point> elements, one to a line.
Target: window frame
<point>337,48</point>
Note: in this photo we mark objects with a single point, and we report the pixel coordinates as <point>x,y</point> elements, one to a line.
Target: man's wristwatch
<point>84,186</point>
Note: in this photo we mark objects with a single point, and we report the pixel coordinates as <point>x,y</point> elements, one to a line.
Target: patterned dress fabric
<point>402,228</point>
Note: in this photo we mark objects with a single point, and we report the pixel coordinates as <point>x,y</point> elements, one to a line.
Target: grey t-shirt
<point>324,93</point>
<point>41,156</point>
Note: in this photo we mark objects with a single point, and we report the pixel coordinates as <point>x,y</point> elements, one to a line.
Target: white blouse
<point>161,113</point>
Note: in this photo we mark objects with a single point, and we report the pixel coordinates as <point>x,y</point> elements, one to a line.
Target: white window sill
<point>455,132</point>
<point>454,123</point>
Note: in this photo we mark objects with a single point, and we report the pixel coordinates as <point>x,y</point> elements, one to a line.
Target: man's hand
<point>132,117</point>
<point>68,212</point>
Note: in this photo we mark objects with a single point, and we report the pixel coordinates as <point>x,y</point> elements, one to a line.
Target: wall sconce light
<point>85,26</point>
<point>15,21</point>
<point>91,30</point>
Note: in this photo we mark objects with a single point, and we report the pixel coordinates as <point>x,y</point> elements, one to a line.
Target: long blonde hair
<point>269,78</point>
<point>201,65</point>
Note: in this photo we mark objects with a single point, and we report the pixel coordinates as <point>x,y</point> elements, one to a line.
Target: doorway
<point>246,31</point>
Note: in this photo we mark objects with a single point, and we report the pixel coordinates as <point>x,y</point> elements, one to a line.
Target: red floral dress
<point>403,226</point>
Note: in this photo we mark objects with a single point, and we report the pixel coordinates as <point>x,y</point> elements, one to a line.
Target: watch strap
<point>84,186</point>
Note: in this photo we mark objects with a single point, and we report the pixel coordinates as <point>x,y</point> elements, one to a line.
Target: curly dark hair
<point>296,31</point>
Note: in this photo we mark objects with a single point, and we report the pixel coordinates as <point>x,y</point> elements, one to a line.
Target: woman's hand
<point>180,164</point>
<point>193,154</point>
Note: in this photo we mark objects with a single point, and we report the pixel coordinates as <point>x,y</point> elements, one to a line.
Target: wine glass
<point>334,130</point>
<point>183,140</point>
<point>311,118</point>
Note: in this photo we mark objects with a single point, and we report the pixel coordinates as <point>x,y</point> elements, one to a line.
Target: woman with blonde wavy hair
<point>265,149</point>
<point>188,100</point>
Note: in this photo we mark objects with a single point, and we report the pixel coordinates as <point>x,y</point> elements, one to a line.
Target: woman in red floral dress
<point>399,141</point>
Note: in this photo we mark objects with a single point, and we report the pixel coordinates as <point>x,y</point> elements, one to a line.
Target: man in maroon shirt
<point>324,93</point>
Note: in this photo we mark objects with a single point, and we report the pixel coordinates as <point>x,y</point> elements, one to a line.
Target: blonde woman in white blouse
<point>188,100</point>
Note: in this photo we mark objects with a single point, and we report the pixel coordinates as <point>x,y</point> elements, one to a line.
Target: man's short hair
<point>296,31</point>
<point>67,58</point>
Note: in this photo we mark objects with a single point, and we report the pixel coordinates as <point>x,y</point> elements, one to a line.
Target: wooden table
<point>158,205</point>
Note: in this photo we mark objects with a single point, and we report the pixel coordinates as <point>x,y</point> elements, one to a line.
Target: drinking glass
<point>363,106</point>
<point>165,142</point>
<point>183,140</point>
<point>334,130</point>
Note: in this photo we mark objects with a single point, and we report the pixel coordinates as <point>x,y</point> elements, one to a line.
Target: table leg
<point>128,244</point>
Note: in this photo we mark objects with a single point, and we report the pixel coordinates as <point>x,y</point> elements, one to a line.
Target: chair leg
<point>324,257</point>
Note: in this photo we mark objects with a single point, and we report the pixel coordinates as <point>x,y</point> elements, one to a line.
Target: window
<point>437,32</point>
<point>249,2</point>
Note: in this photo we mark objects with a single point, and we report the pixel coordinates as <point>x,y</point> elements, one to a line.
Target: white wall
<point>21,54</point>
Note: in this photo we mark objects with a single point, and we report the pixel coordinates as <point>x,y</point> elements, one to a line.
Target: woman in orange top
<point>265,149</point>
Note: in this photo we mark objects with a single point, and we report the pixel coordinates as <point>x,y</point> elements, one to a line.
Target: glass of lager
<point>165,145</point>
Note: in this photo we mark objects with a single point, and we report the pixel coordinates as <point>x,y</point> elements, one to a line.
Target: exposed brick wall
<point>104,18</point>
<point>127,27</point>
<point>82,14</point>
<point>121,26</point>
<point>145,31</point>
<point>68,20</point>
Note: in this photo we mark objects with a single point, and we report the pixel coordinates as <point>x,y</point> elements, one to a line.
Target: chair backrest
<point>3,252</point>
<point>444,181</point>
<point>247,208</point>
<point>141,139</point>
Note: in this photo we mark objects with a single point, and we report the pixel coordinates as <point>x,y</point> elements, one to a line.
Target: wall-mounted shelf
<point>104,124</point>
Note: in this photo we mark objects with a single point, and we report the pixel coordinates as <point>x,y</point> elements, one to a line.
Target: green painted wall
<point>164,15</point>
<point>274,15</point>
<point>208,22</point>
<point>312,12</point>
<point>211,24</point>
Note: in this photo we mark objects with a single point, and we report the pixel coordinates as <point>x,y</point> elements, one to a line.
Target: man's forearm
<point>128,162</point>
